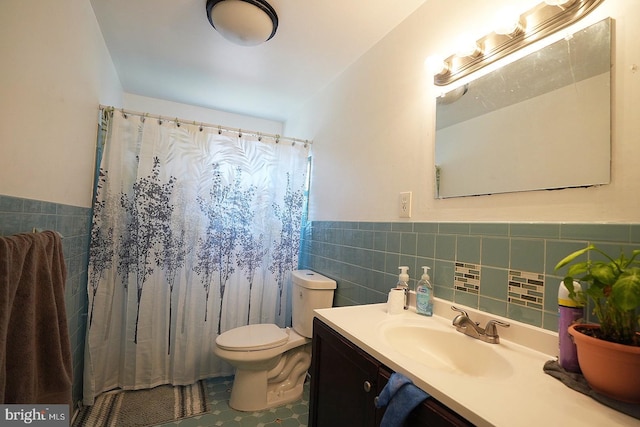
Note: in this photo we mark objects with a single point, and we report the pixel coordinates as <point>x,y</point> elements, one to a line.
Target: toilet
<point>271,362</point>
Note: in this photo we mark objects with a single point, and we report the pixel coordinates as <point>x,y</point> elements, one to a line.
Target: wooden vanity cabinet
<point>430,413</point>
<point>345,381</point>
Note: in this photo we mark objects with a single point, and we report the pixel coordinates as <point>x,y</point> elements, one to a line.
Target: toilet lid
<point>253,337</point>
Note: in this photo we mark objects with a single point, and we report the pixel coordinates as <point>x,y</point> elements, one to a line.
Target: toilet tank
<point>311,290</point>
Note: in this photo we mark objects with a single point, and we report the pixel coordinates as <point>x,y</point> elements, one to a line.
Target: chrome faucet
<point>464,324</point>
<point>405,289</point>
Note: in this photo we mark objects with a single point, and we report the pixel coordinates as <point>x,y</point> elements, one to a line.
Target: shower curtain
<point>195,231</point>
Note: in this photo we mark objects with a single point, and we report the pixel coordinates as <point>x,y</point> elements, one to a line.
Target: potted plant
<point>613,291</point>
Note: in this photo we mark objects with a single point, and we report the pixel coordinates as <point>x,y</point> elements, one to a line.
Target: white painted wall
<point>55,72</point>
<point>373,128</point>
<point>172,110</point>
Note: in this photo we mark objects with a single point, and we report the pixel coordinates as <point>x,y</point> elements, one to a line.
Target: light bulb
<point>508,22</point>
<point>467,47</point>
<point>436,65</point>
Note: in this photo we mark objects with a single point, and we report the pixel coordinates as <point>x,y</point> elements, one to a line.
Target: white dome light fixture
<point>243,22</point>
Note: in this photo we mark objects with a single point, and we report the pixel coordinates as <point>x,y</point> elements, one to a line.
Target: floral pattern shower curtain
<point>195,231</point>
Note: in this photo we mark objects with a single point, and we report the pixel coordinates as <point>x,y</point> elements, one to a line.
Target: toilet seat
<point>253,338</point>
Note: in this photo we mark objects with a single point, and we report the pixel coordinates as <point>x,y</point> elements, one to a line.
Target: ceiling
<point>167,49</point>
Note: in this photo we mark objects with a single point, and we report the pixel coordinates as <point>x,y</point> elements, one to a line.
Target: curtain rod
<point>277,138</point>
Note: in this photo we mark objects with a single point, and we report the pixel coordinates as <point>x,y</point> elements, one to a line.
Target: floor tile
<point>294,414</point>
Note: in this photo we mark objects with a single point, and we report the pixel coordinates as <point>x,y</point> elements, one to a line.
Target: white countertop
<point>523,396</point>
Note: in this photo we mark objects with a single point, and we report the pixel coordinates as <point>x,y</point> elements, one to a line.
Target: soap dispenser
<point>424,294</point>
<point>403,283</point>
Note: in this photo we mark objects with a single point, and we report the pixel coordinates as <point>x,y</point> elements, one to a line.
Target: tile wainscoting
<point>19,215</point>
<point>510,265</point>
<point>506,269</point>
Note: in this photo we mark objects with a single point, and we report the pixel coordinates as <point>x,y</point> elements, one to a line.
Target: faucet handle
<point>461,318</point>
<point>464,313</point>
<point>490,329</point>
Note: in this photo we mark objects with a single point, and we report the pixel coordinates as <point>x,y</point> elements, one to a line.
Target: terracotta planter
<point>610,369</point>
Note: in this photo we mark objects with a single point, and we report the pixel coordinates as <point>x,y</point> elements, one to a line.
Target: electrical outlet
<point>405,204</point>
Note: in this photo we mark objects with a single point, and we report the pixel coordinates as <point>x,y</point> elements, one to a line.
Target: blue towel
<point>402,396</point>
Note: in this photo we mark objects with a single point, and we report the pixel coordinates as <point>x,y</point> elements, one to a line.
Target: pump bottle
<point>424,294</point>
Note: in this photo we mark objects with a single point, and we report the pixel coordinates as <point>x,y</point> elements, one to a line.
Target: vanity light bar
<point>538,22</point>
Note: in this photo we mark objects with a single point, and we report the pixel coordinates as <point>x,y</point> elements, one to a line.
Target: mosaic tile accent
<point>467,278</point>
<point>526,289</point>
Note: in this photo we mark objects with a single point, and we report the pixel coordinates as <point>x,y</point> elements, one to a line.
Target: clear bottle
<point>424,294</point>
<point>403,283</point>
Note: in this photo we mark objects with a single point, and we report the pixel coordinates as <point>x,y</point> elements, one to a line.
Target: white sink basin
<point>489,384</point>
<point>444,348</point>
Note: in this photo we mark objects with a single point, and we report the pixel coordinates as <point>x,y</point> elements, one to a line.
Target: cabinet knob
<point>367,386</point>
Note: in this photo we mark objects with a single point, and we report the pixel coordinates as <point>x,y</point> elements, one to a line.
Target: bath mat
<point>140,408</point>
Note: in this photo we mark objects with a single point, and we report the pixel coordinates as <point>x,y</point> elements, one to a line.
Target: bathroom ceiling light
<point>243,22</point>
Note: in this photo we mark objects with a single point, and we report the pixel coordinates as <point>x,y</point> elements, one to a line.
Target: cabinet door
<point>343,381</point>
<point>430,413</point>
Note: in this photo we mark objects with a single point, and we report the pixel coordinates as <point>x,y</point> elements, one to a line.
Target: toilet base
<point>264,389</point>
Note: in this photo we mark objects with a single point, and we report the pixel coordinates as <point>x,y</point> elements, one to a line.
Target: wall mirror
<point>541,122</point>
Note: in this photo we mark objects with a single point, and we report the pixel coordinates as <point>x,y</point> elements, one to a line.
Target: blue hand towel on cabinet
<point>401,396</point>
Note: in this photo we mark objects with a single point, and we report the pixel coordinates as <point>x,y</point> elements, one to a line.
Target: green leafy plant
<point>613,288</point>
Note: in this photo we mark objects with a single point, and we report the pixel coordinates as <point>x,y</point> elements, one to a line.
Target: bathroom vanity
<point>345,381</point>
<point>355,350</point>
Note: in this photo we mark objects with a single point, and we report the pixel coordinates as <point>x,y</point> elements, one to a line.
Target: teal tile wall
<point>19,215</point>
<point>363,257</point>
